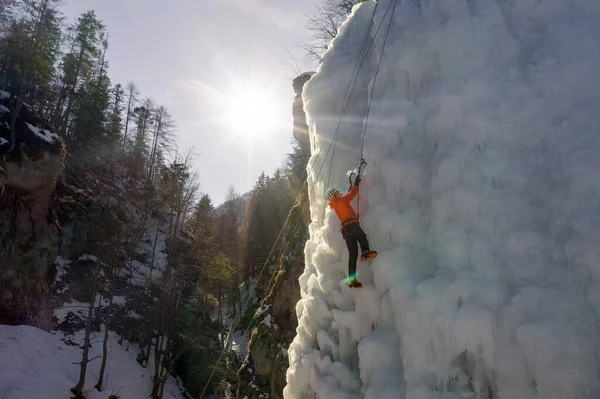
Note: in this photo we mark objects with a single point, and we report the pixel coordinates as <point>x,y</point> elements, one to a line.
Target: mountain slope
<point>481,197</point>
<point>38,364</point>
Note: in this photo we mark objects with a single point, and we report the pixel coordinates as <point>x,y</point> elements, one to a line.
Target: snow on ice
<point>481,197</point>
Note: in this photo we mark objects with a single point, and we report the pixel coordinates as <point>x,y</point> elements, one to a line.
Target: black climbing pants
<point>354,234</point>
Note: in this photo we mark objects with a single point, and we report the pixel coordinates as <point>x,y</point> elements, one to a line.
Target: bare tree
<point>162,139</point>
<point>132,97</point>
<point>78,389</point>
<point>6,390</point>
<point>180,186</point>
<point>111,294</point>
<point>324,25</point>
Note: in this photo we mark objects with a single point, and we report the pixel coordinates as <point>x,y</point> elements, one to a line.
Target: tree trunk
<point>78,390</point>
<point>158,366</point>
<point>98,386</point>
<point>163,382</point>
<point>128,117</point>
<point>220,308</point>
<point>147,354</point>
<point>238,294</point>
<point>154,250</point>
<point>154,148</point>
<point>14,114</point>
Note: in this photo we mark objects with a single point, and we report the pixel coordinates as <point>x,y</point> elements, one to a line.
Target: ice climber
<point>350,228</point>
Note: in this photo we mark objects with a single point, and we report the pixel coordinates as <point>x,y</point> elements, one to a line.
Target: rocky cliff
<point>300,126</point>
<point>31,161</point>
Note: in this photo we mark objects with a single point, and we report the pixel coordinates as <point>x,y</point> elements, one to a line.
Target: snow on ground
<point>241,337</point>
<point>155,246</point>
<point>79,309</point>
<point>61,265</point>
<point>239,343</point>
<point>481,197</point>
<point>38,365</point>
<point>119,300</point>
<point>88,258</point>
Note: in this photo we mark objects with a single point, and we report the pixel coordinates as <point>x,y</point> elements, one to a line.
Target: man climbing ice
<point>350,228</point>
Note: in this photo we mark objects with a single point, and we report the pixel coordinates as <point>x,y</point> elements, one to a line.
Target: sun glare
<point>250,112</point>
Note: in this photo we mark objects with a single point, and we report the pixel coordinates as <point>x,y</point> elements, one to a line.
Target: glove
<point>357,180</point>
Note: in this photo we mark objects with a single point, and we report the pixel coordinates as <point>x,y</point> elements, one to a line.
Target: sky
<point>201,59</point>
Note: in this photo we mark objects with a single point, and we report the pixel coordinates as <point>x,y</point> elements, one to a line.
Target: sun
<point>250,112</point>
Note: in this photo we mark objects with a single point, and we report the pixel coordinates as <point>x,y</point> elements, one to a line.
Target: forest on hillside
<point>134,224</point>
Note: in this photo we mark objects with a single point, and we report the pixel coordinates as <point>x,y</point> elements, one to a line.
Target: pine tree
<point>28,53</point>
<point>220,274</point>
<point>90,125</point>
<point>142,116</point>
<point>162,138</point>
<point>86,41</point>
<point>254,228</point>
<point>29,48</point>
<point>115,117</point>
<point>228,227</point>
<point>202,224</point>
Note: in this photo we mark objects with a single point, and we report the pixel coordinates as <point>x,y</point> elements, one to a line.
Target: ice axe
<point>356,171</point>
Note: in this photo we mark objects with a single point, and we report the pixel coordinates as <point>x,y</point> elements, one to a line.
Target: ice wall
<point>481,196</point>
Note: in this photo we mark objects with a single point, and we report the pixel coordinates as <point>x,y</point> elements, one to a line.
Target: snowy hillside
<point>37,364</point>
<point>481,197</point>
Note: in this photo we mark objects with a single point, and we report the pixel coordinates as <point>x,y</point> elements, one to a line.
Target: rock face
<point>263,373</point>
<point>28,227</point>
<point>300,125</point>
<point>301,132</point>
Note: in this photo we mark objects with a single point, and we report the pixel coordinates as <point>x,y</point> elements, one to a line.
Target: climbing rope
<point>387,33</point>
<point>364,133</point>
<point>352,85</point>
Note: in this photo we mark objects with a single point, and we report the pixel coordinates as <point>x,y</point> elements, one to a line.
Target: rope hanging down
<point>352,84</point>
<point>364,133</point>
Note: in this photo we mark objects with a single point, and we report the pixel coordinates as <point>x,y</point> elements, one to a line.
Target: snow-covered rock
<point>481,196</point>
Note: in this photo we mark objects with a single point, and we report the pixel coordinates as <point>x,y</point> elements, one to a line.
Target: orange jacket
<point>342,207</point>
